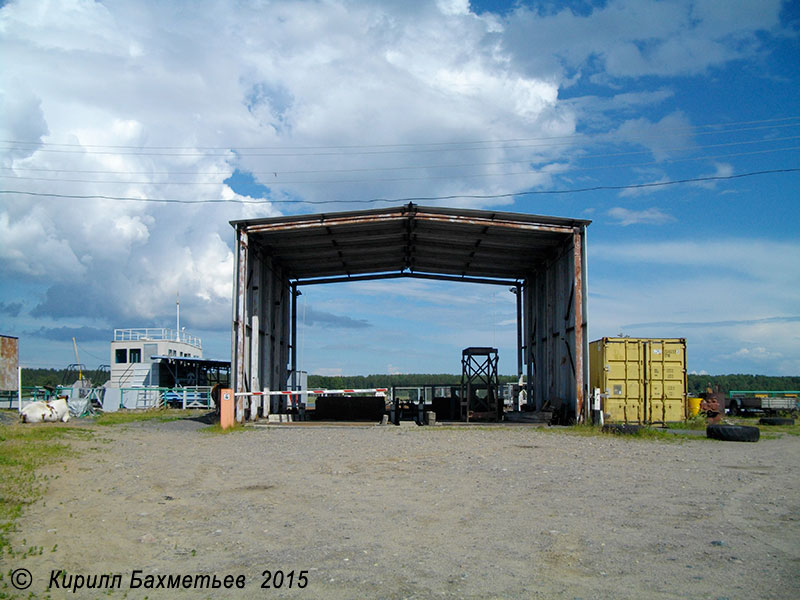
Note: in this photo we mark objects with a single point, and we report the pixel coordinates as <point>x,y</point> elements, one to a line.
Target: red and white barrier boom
<point>314,392</point>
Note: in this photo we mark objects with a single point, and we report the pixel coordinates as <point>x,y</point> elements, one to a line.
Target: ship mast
<point>77,360</point>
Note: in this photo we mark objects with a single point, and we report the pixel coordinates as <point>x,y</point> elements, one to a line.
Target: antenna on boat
<point>178,323</point>
<point>77,360</point>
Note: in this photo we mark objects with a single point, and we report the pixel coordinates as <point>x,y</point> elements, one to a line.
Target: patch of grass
<point>23,449</point>
<point>121,417</point>
<point>586,430</point>
<point>698,423</point>
<point>643,433</point>
<point>768,432</point>
<point>780,429</point>
<point>656,433</point>
<point>440,426</point>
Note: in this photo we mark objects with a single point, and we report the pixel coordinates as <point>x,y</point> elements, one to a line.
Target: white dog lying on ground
<point>45,412</point>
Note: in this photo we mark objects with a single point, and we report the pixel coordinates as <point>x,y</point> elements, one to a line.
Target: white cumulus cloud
<point>649,216</point>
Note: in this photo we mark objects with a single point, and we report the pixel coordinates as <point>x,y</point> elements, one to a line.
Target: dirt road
<point>418,512</point>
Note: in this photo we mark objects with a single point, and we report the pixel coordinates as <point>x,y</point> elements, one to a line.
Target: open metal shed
<point>542,258</point>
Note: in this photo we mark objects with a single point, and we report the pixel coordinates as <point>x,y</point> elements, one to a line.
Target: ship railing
<point>156,334</point>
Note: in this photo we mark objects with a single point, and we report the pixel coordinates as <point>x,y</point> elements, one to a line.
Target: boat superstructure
<point>136,354</point>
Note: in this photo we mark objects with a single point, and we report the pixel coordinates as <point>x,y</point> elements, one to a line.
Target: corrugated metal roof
<point>410,238</point>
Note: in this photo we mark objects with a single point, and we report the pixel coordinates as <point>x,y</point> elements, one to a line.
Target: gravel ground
<point>422,512</point>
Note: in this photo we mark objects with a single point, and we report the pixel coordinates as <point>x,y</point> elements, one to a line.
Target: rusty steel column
<point>295,293</point>
<point>580,383</point>
<point>518,292</point>
<point>240,310</point>
<point>528,310</point>
<point>585,317</point>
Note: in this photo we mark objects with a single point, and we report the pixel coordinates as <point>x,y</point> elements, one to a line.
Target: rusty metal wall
<point>554,316</point>
<point>9,363</point>
<point>261,320</point>
<point>553,311</point>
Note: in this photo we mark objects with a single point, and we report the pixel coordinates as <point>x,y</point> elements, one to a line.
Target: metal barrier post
<point>254,402</point>
<point>597,412</point>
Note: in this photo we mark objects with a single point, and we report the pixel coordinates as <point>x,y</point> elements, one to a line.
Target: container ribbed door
<point>666,368</point>
<point>643,380</point>
<point>624,380</point>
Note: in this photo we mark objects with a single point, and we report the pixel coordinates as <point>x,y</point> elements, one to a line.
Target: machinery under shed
<point>542,259</point>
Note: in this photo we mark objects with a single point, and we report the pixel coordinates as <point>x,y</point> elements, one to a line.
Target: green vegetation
<point>642,433</point>
<point>696,383</point>
<point>698,422</point>
<point>407,379</point>
<point>23,449</point>
<point>768,432</point>
<point>585,430</point>
<point>56,377</point>
<point>124,416</point>
<point>726,383</point>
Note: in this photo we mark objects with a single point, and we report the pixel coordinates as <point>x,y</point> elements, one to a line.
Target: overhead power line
<point>279,172</point>
<point>378,149</point>
<point>407,199</point>
<point>480,175</point>
<point>716,127</point>
<point>603,187</point>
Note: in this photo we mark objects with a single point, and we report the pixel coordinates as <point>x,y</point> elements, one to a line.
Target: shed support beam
<point>517,289</point>
<point>580,332</point>
<point>240,311</point>
<point>295,294</point>
<point>434,276</point>
<point>255,338</point>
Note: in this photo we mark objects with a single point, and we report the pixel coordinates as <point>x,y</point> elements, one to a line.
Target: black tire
<point>775,421</point>
<point>733,433</point>
<point>621,428</point>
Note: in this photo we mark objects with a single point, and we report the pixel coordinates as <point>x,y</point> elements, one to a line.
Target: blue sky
<point>133,132</point>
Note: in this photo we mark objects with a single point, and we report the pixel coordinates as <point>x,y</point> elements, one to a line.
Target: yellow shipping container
<point>643,380</point>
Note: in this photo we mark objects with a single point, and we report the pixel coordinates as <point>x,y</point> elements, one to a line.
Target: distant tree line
<point>726,383</point>
<point>372,381</point>
<point>696,383</point>
<point>56,377</point>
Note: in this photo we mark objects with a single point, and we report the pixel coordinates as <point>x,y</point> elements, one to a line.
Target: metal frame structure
<point>479,374</point>
<point>541,259</point>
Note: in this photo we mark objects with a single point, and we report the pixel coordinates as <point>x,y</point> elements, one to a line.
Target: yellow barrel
<point>694,406</point>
